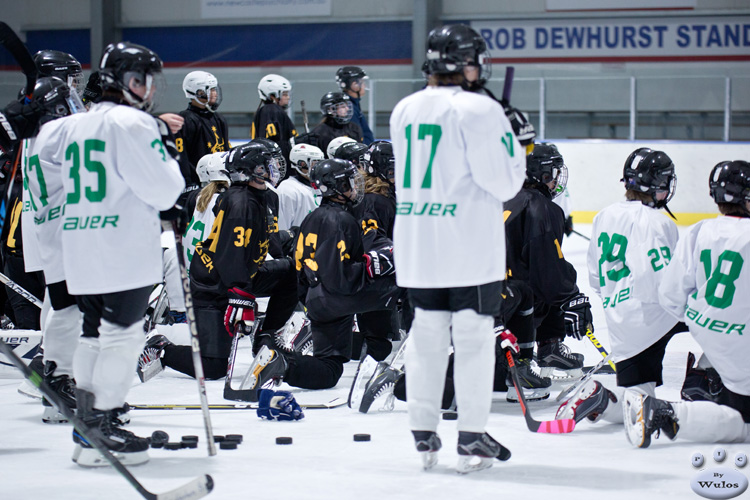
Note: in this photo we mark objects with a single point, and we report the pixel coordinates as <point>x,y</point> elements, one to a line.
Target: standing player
<point>297,197</point>
<point>450,165</point>
<point>117,176</point>
<point>337,109</point>
<point>271,120</point>
<point>353,82</point>
<point>706,285</point>
<point>631,246</point>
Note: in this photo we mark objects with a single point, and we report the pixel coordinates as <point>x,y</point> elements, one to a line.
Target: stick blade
<point>563,426</point>
<point>197,488</point>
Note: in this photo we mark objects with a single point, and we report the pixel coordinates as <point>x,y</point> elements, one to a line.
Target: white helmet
<point>303,157</point>
<point>336,143</point>
<point>273,85</point>
<point>204,88</point>
<point>211,168</point>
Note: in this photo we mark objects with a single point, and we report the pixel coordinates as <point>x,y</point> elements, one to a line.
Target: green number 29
<point>613,250</point>
<point>423,131</point>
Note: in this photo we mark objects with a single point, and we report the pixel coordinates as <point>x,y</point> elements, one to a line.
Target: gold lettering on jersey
<point>215,231</point>
<point>204,257</point>
<point>218,146</point>
<point>714,325</point>
<point>341,245</point>
<point>369,225</point>
<point>506,214</point>
<point>263,248</point>
<point>559,250</point>
<point>428,209</point>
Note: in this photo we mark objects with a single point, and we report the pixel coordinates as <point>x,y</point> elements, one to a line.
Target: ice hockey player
<point>111,237</point>
<point>353,82</point>
<point>534,225</point>
<point>205,130</point>
<point>337,109</point>
<point>340,281</point>
<point>279,173</point>
<point>351,151</point>
<point>297,197</point>
<point>704,286</point>
<point>271,121</point>
<point>631,246</point>
<point>448,163</point>
<point>46,198</point>
<point>334,145</point>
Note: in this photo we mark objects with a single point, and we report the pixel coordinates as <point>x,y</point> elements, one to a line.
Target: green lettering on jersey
<point>423,130</point>
<point>508,141</point>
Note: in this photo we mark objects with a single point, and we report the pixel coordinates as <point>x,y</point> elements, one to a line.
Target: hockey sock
<point>62,329</point>
<point>709,422</point>
<point>84,361</point>
<point>180,358</point>
<point>118,357</point>
<point>173,280</point>
<point>309,372</point>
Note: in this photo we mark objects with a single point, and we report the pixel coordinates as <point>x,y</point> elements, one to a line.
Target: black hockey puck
<point>189,444</point>
<point>283,440</point>
<point>158,438</point>
<point>450,415</point>
<point>361,437</point>
<point>186,439</point>
<point>218,439</point>
<point>228,445</point>
<point>234,437</point>
<point>172,446</point>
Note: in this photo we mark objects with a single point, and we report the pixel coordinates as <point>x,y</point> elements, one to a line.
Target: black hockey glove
<point>578,318</point>
<point>167,138</point>
<point>93,91</point>
<point>568,225</point>
<point>288,239</point>
<point>380,262</point>
<point>306,138</point>
<point>18,121</point>
<point>178,214</point>
<point>524,130</point>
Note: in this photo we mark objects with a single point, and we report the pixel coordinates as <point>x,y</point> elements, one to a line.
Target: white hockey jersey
<point>296,200</point>
<point>117,176</point>
<point>457,160</point>
<point>707,286</point>
<point>199,228</point>
<point>32,260</point>
<point>631,246</point>
<point>46,197</point>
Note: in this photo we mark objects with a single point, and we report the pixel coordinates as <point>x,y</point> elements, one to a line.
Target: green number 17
<point>423,131</point>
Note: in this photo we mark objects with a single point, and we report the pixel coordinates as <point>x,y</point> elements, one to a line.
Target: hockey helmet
<point>379,161</point>
<point>338,178</point>
<point>347,75</point>
<point>545,165</point>
<point>212,167</point>
<point>338,106</point>
<point>251,162</point>
<point>135,71</point>
<point>274,85</point>
<point>729,182</point>
<point>56,99</point>
<point>650,172</point>
<point>303,157</point>
<point>204,88</point>
<point>452,47</point>
<point>62,65</point>
<point>336,143</point>
<point>352,151</point>
<point>275,150</point>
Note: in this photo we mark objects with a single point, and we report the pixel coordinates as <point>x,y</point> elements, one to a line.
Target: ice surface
<point>594,462</point>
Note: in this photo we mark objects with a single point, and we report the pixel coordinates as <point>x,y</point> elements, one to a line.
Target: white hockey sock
<point>613,413</point>
<point>474,345</point>
<point>84,361</point>
<point>173,280</point>
<point>709,422</point>
<point>62,329</point>
<point>117,362</point>
<point>427,361</point>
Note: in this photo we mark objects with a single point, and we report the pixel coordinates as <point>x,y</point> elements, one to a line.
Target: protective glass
<point>75,81</point>
<point>144,91</point>
<point>211,98</point>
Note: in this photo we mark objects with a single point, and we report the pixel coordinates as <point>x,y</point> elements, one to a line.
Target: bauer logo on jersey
<point>427,209</point>
<point>719,481</point>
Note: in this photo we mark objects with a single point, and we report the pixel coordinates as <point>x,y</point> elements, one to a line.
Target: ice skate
<point>126,446</point>
<point>590,403</point>
<point>557,362</point>
<point>380,387</point>
<point>534,386</point>
<point>477,451</point>
<point>27,388</point>
<point>296,336</point>
<point>365,371</point>
<point>268,366</point>
<point>645,415</point>
<point>428,444</point>
<point>149,364</point>
<point>64,387</point>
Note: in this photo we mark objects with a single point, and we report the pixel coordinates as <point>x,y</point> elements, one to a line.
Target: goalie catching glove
<point>278,405</point>
<point>578,318</point>
<point>240,308</point>
<point>380,262</point>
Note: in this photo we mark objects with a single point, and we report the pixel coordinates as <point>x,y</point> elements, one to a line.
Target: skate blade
<point>429,459</point>
<point>29,390</point>
<point>150,370</point>
<point>259,363</point>
<point>635,428</point>
<point>560,375</point>
<point>473,463</point>
<point>90,457</point>
<point>52,416</point>
<point>531,395</point>
<point>365,371</point>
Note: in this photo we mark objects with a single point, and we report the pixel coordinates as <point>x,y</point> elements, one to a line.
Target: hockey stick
<point>231,394</point>
<point>20,290</point>
<point>545,426</point>
<point>334,403</point>
<point>580,234</point>
<point>304,117</point>
<point>599,347</point>
<point>510,71</point>
<point>194,341</point>
<point>576,385</point>
<point>197,488</point>
<point>20,53</point>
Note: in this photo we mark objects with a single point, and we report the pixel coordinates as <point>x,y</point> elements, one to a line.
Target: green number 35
<point>73,155</point>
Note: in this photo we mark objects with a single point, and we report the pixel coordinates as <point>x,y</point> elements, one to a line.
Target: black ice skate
<point>481,446</point>
<point>268,367</point>
<point>380,387</point>
<point>27,388</point>
<point>149,364</point>
<point>557,362</point>
<point>534,386</point>
<point>428,444</point>
<point>126,446</point>
<point>590,403</point>
<point>65,387</point>
<point>645,415</point>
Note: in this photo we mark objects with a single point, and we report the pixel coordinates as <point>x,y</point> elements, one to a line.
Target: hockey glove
<point>93,91</point>
<point>241,308</point>
<point>568,225</point>
<point>524,130</point>
<point>278,405</point>
<point>288,239</point>
<point>578,318</point>
<point>178,214</point>
<point>380,262</point>
<point>18,121</point>
<point>167,138</point>
<point>507,339</point>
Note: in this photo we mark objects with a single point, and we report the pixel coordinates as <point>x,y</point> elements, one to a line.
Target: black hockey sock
<point>309,372</point>
<point>180,358</point>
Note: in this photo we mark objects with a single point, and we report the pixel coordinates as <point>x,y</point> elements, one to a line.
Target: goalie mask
<point>212,168</point>
<point>729,182</point>
<point>338,106</point>
<point>545,169</point>
<point>379,161</point>
<point>133,71</point>
<point>304,157</point>
<point>251,162</point>
<point>62,65</point>
<point>56,98</point>
<point>452,48</point>
<point>650,172</point>
<point>275,151</point>
<point>204,88</point>
<point>340,180</point>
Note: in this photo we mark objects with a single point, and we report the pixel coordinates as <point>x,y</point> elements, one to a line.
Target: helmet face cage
<point>453,47</point>
<point>651,172</point>
<point>278,156</point>
<point>204,88</point>
<point>56,98</point>
<point>339,178</point>
<point>136,72</point>
<point>338,106</point>
<point>545,165</point>
<point>251,162</point>
<point>729,182</point>
<point>304,157</point>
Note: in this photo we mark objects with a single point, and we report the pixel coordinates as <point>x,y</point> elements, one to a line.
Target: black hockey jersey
<point>376,214</point>
<point>534,228</point>
<point>272,122</point>
<point>329,129</point>
<point>330,252</point>
<point>236,247</point>
<point>204,132</point>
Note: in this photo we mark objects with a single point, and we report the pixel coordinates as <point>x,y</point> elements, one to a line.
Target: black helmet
<point>275,151</point>
<point>348,74</point>
<point>55,97</point>
<point>379,161</point>
<point>651,172</point>
<point>545,164</point>
<point>454,46</point>
<point>338,106</point>
<point>338,177</point>
<point>729,182</point>
<point>125,64</point>
<point>250,162</point>
<point>351,151</point>
<point>62,65</point>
